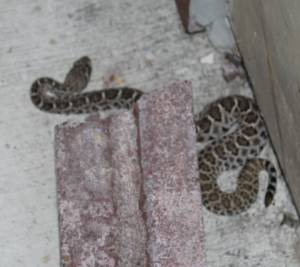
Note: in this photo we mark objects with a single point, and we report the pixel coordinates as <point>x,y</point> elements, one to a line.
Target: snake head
<point>83,61</point>
<point>79,76</point>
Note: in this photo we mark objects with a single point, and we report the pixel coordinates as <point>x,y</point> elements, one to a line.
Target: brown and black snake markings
<point>231,151</point>
<point>51,96</point>
<point>225,152</point>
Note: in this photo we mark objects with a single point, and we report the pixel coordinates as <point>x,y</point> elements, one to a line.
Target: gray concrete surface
<point>144,42</point>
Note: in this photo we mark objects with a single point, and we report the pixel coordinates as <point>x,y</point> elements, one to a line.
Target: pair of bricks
<point>128,186</point>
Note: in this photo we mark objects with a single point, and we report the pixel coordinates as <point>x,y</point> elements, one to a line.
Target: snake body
<point>226,150</point>
<point>230,151</point>
<point>51,96</point>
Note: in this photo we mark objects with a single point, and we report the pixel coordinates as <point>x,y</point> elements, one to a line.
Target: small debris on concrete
<point>230,71</point>
<point>208,59</point>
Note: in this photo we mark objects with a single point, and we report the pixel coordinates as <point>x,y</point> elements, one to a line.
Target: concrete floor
<point>143,44</point>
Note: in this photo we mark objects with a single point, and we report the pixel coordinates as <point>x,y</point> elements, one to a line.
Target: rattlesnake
<point>52,96</point>
<point>223,153</point>
<point>230,151</point>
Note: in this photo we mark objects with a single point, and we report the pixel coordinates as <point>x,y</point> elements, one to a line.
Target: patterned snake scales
<point>225,152</point>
